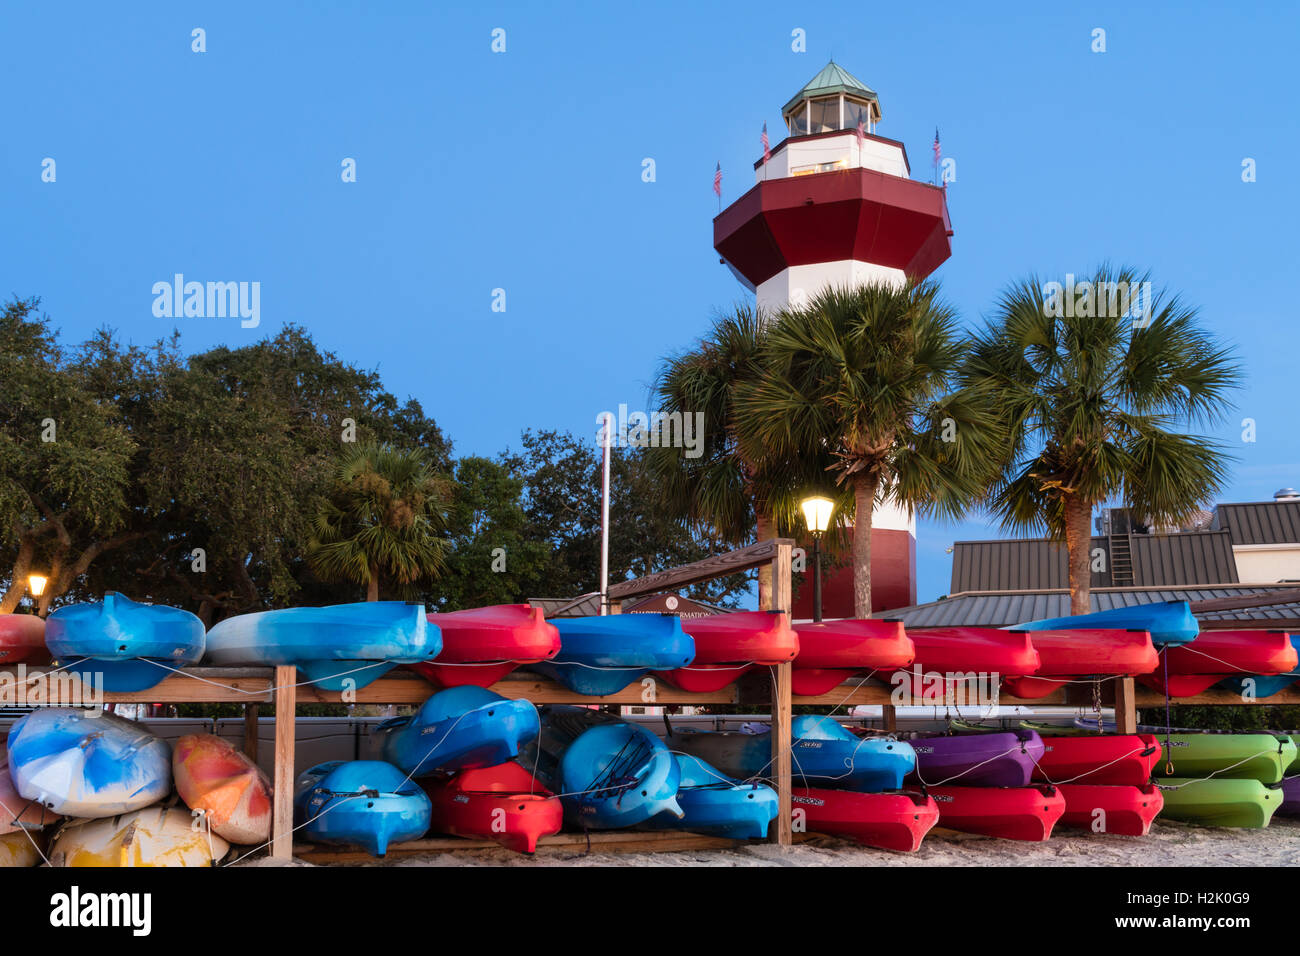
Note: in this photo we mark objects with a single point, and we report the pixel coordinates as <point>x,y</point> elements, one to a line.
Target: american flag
<point>936,146</point>
<point>717,180</point>
<point>862,131</point>
<point>767,147</point>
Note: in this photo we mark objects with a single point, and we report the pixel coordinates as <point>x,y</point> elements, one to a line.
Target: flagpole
<point>604,516</point>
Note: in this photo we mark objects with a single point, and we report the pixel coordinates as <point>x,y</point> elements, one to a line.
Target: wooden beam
<point>286,720</point>
<point>1217,697</point>
<point>875,692</point>
<point>251,735</point>
<point>782,600</point>
<point>1283,596</point>
<point>889,718</point>
<point>229,685</point>
<point>718,566</point>
<point>1126,721</point>
<point>404,687</point>
<point>610,841</point>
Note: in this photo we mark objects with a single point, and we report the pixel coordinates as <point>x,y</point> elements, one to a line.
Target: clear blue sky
<point>522,171</point>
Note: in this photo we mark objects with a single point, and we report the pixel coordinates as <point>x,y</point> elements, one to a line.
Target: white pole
<point>604,517</point>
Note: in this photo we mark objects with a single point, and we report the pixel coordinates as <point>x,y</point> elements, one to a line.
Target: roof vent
<point>1286,494</point>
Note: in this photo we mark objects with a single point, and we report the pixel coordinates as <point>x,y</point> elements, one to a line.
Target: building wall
<point>893,578</point>
<point>885,157</point>
<point>799,283</point>
<point>1267,563</point>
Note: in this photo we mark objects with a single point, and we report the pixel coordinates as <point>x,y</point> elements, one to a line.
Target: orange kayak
<point>231,790</point>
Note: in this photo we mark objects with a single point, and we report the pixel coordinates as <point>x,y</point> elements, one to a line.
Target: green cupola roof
<point>833,79</point>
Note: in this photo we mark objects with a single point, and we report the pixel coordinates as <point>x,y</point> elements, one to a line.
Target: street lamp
<point>36,584</point>
<point>817,516</point>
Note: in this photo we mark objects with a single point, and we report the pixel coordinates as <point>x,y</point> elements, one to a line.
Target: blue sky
<point>522,171</point>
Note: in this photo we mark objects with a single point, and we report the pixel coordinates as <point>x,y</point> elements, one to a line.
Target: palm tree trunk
<point>1078,546</point>
<point>372,589</point>
<point>864,503</point>
<point>763,531</point>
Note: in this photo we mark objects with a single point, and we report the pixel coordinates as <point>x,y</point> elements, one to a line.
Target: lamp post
<point>36,584</point>
<point>817,516</point>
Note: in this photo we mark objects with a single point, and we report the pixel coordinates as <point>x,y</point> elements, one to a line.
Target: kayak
<point>601,655</point>
<point>726,645</point>
<point>831,652</point>
<point>1219,802</point>
<point>823,754</point>
<point>154,836</point>
<point>484,644</point>
<point>365,803</point>
<point>1214,655</point>
<point>343,647</point>
<point>1168,622</point>
<point>502,803</point>
<point>1290,805</point>
<point>715,804</point>
<point>1099,759</point>
<point>83,763</point>
<point>1013,813</point>
<point>974,650</point>
<point>976,760</point>
<point>1120,810</point>
<point>1262,757</point>
<point>134,646</point>
<point>22,638</point>
<point>457,728</point>
<point>1264,685</point>
<point>225,785</point>
<point>18,813</point>
<point>609,773</point>
<point>890,821</point>
<point>1067,655</point>
<point>19,849</point>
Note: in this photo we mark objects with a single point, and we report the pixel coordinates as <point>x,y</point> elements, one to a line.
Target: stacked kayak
<point>1075,654</point>
<point>714,803</point>
<point>154,836</point>
<point>1120,810</point>
<point>1217,655</point>
<point>87,763</point>
<point>1168,622</point>
<point>1290,805</point>
<point>1012,813</point>
<point>609,773</point>
<point>890,821</point>
<point>823,753</point>
<point>483,644</point>
<point>727,645</point>
<point>1225,780</point>
<point>502,803</point>
<point>831,652</point>
<point>457,728</point>
<point>17,812</point>
<point>1265,685</point>
<point>947,656</point>
<point>601,655</point>
<point>134,646</point>
<point>22,638</point>
<point>337,648</point>
<point>976,759</point>
<point>20,849</point>
<point>225,786</point>
<point>366,803</point>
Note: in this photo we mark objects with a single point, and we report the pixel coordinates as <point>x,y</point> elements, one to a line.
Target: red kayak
<point>483,644</point>
<point>22,638</point>
<point>831,652</point>
<point>1073,654</point>
<point>1013,813</point>
<point>1215,655</point>
<point>502,803</point>
<point>983,650</point>
<point>1126,811</point>
<point>1106,759</point>
<point>890,821</point>
<point>727,645</point>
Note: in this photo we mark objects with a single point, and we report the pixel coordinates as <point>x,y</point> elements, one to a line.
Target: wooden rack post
<point>286,706</point>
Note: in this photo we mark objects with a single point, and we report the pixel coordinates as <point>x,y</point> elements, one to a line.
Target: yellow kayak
<point>154,836</point>
<point>16,849</point>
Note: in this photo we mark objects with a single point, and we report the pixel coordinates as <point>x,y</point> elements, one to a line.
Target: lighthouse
<point>835,205</point>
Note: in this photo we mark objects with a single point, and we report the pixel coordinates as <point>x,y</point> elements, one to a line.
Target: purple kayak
<point>1290,797</point>
<point>977,760</point>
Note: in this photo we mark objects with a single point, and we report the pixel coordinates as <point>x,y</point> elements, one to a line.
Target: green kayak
<point>1219,802</point>
<point>1261,757</point>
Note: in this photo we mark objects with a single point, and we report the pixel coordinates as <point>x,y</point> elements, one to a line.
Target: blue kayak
<point>1264,685</point>
<point>823,754</point>
<point>602,655</point>
<point>365,803</point>
<point>1170,622</point>
<point>458,729</point>
<point>134,646</point>
<point>607,772</point>
<point>343,647</point>
<point>715,804</point>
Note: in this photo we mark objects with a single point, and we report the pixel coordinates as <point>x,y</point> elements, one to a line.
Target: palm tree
<point>1092,401</point>
<point>861,375</point>
<point>383,520</point>
<point>725,494</point>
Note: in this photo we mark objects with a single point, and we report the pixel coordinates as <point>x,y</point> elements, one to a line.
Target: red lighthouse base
<point>893,578</point>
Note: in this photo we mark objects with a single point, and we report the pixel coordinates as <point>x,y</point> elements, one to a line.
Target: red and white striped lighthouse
<point>835,205</point>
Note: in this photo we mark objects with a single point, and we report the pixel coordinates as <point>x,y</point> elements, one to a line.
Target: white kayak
<point>155,836</point>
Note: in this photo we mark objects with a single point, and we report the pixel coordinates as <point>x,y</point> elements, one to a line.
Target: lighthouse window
<point>825,114</point>
<point>855,113</point>
<point>799,120</point>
